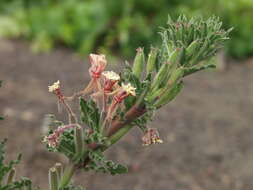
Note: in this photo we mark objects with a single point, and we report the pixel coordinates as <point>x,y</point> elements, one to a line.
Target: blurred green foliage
<point>118,26</point>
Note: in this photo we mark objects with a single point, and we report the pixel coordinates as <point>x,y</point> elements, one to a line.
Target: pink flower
<point>124,91</point>
<point>110,79</point>
<point>98,64</point>
<point>151,136</point>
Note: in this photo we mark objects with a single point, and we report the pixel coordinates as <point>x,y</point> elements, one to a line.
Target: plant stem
<point>132,114</point>
<point>120,133</point>
<point>67,175</point>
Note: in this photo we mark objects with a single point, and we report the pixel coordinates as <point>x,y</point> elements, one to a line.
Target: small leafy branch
<point>8,172</point>
<point>111,104</point>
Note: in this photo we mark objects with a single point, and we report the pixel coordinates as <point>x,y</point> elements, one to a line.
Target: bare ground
<point>207,130</point>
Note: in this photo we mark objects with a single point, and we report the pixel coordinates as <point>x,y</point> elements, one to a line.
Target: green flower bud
<point>174,56</point>
<point>139,62</point>
<point>59,170</point>
<point>67,175</point>
<point>79,142</point>
<point>11,176</point>
<point>153,95</point>
<point>151,60</point>
<point>182,57</point>
<point>170,95</point>
<point>175,76</point>
<point>160,76</point>
<point>53,179</point>
<point>191,48</point>
<point>165,95</point>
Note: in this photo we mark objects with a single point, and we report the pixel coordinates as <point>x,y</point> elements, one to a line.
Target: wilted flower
<point>53,139</point>
<point>98,64</point>
<point>151,136</point>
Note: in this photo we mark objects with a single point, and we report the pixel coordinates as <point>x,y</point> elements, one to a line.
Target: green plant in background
<point>112,104</point>
<point>8,173</point>
<point>1,118</point>
<point>116,26</point>
<point>238,14</point>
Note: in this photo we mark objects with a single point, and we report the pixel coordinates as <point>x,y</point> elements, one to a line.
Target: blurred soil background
<point>207,130</point>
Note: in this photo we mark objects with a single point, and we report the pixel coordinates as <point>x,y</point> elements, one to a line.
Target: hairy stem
<point>120,133</point>
<point>67,175</point>
<point>131,115</point>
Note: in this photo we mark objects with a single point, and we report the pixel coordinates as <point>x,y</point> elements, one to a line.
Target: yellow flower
<point>54,86</point>
<point>110,75</point>
<point>129,89</point>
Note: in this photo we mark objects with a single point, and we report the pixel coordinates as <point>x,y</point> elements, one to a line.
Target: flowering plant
<point>111,104</point>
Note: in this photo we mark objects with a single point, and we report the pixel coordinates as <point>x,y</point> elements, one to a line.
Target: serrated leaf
<point>90,114</point>
<point>100,164</point>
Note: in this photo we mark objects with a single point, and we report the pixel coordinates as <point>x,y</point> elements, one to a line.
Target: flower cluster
<point>103,87</point>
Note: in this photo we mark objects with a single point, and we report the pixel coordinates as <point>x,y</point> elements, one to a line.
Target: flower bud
<point>174,56</point>
<point>172,88</point>
<point>98,64</point>
<point>153,95</point>
<point>191,48</point>
<point>182,56</point>
<point>151,60</point>
<point>79,142</point>
<point>175,76</point>
<point>139,62</point>
<point>160,76</point>
<point>59,170</point>
<point>53,179</point>
<point>11,176</point>
<point>173,92</point>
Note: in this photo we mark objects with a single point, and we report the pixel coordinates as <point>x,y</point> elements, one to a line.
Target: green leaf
<point>73,187</point>
<point>6,168</point>
<point>90,114</point>
<point>100,164</point>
